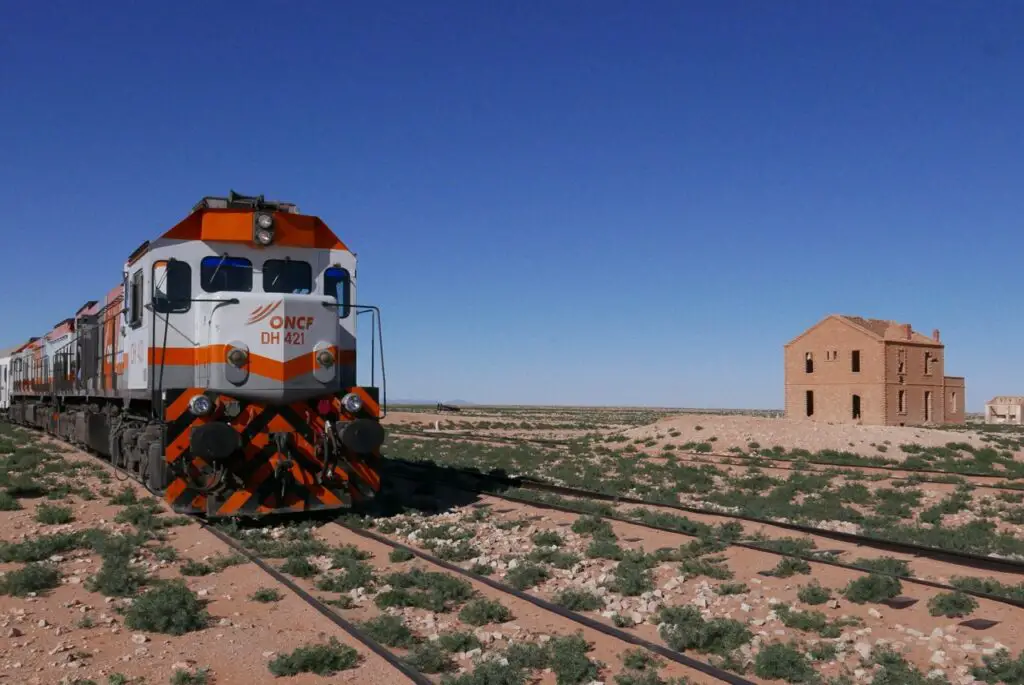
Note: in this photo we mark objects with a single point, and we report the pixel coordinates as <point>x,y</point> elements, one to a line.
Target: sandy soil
<point>740,431</point>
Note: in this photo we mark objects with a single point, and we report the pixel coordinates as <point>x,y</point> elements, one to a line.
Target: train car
<point>221,371</point>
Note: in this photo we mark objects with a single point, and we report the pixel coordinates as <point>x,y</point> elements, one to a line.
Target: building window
<point>855,361</point>
<point>902,401</point>
<point>952,402</point>
<point>809,399</point>
<point>901,361</point>
<point>928,363</point>
<point>808,363</point>
<point>927,405</point>
<point>856,406</point>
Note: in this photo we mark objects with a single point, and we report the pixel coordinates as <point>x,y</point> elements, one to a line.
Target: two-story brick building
<point>848,369</point>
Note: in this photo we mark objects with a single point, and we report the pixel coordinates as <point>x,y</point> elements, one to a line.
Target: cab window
<point>336,284</point>
<point>231,274</point>
<point>287,276</point>
<point>172,287</point>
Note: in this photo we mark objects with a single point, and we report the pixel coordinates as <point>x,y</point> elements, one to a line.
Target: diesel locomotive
<point>221,371</point>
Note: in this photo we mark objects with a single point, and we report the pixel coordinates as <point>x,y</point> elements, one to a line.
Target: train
<point>221,371</point>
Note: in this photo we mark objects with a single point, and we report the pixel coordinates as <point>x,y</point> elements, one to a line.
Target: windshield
<point>287,276</point>
<point>226,273</point>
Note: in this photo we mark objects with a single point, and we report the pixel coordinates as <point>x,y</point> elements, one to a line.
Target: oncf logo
<point>262,312</point>
<point>295,328</point>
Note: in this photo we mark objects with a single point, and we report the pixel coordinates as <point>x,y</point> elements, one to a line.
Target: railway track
<point>623,637</point>
<point>956,557</point>
<point>415,475</point>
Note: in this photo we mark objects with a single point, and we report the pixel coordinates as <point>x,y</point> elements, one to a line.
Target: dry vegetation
<point>101,585</point>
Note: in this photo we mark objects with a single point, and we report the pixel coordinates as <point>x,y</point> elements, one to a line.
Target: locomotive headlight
<point>237,357</point>
<point>200,405</point>
<point>352,403</point>
<point>263,228</point>
<point>325,359</point>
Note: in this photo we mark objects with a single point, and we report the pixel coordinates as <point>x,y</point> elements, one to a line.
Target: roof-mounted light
<point>263,228</point>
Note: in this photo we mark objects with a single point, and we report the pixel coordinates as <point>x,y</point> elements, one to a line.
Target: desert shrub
<point>482,611</point>
<point>266,595</point>
<point>526,575</point>
<point>779,661</point>
<point>33,577</point>
<point>684,628</point>
<point>53,515</point>
<point>890,565</point>
<point>593,525</point>
<point>732,589</point>
<point>170,608</point>
<point>952,604</point>
<point>300,567</point>
<point>569,660</point>
<point>578,600</point>
<point>322,659</point>
<point>1000,668</point>
<point>354,575</point>
<point>790,566</point>
<point>458,641</point>
<point>813,593</point>
<point>397,556</point>
<point>712,567</point>
<point>632,577</point>
<point>547,538</point>
<point>8,502</point>
<point>389,630</point>
<point>430,658</point>
<point>873,588</point>
<point>424,589</point>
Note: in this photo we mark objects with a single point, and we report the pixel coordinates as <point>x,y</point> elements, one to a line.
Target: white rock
<point>139,638</point>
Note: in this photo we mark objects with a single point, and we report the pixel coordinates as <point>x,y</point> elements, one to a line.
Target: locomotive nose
<point>275,348</point>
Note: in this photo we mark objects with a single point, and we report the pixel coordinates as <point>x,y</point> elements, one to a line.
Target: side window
<point>336,284</point>
<point>135,303</point>
<point>172,287</point>
<point>233,274</point>
<point>287,276</point>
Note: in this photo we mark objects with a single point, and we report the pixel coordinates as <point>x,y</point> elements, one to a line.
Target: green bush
<point>170,608</point>
<point>813,593</point>
<point>578,600</point>
<point>322,659</point>
<point>952,604</point>
<point>33,577</point>
<point>779,661</point>
<point>53,515</point>
<point>873,588</point>
<point>480,612</point>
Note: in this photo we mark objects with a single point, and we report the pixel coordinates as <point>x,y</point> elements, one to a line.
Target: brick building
<point>848,369</point>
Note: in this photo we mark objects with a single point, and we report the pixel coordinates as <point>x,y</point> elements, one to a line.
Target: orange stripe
<point>368,402</point>
<point>258,364</point>
<point>174,490</point>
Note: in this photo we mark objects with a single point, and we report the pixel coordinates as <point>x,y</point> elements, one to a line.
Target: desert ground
<point>102,584</point>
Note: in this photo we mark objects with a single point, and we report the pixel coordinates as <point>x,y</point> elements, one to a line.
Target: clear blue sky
<point>554,202</point>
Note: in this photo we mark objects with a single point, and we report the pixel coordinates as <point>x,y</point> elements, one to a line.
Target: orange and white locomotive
<point>222,371</point>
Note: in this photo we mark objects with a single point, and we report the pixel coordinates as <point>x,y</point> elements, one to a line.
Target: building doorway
<point>856,406</point>
<point>927,405</point>
<point>810,402</point>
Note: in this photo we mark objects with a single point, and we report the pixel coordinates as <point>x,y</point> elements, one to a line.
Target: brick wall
<point>833,381</point>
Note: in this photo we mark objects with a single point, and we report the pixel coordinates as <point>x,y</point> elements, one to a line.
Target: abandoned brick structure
<point>848,369</point>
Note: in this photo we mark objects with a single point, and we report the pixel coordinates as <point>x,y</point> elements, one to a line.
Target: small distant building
<point>849,369</point>
<point>1005,409</point>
